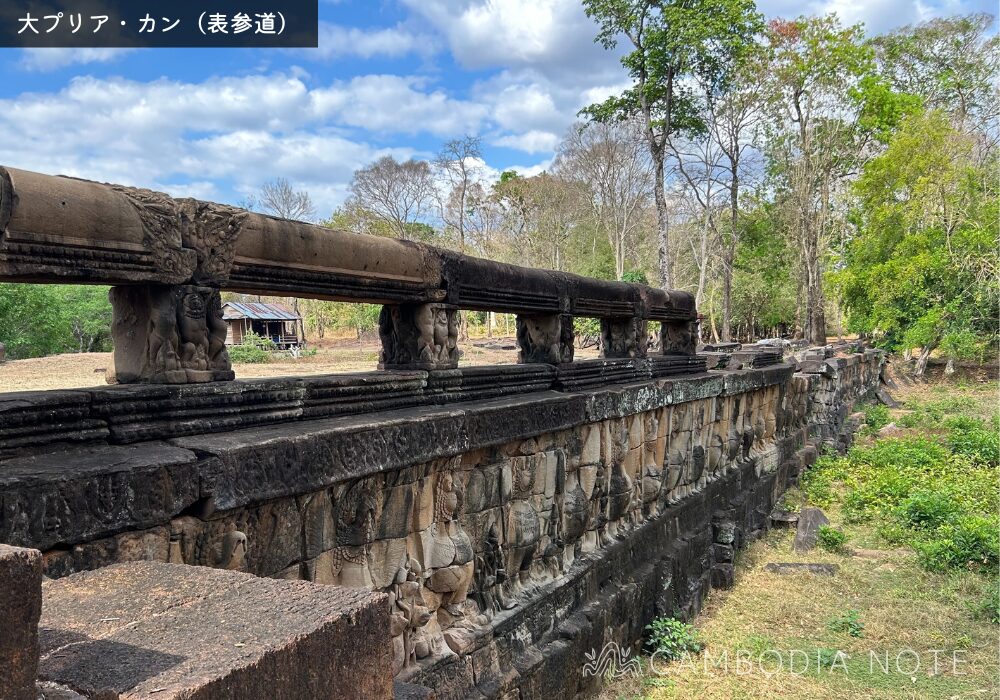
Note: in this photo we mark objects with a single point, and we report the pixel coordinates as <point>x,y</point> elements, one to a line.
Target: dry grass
<point>902,607</point>
<point>75,371</point>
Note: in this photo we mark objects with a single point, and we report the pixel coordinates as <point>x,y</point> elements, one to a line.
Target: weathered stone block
<point>166,631</point>
<point>20,607</point>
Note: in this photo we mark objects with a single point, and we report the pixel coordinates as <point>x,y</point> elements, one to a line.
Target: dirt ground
<point>75,371</point>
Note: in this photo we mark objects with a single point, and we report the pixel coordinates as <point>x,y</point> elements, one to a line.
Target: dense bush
<point>671,639</point>
<point>254,350</point>
<point>876,418</point>
<point>38,319</point>
<point>831,539</point>
<point>936,492</point>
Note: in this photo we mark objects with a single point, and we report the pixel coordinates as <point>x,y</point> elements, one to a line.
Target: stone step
<point>165,631</point>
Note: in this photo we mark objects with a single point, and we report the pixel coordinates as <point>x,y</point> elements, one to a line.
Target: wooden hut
<point>272,321</point>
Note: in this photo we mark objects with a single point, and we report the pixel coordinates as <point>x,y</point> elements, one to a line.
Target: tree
<point>673,42</point>
<point>611,166</point>
<point>814,141</point>
<point>923,270</point>
<point>397,194</point>
<point>458,163</point>
<point>38,319</point>
<point>279,198</point>
<point>735,112</point>
<point>951,63</point>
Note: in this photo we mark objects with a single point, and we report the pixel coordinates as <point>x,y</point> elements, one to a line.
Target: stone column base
<point>168,334</point>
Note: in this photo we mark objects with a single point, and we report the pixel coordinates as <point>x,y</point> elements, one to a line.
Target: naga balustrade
<point>168,259</point>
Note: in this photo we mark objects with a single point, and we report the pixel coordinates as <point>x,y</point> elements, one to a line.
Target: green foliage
<point>672,42</point>
<point>922,269</point>
<point>849,622</point>
<point>671,638</point>
<point>254,349</point>
<point>974,438</point>
<point>587,330</point>
<point>876,417</point>
<point>935,492</point>
<point>968,542</point>
<point>635,276</point>
<point>38,320</point>
<point>988,608</point>
<point>764,275</point>
<point>831,539</point>
<point>928,510</point>
<point>949,63</point>
<point>818,481</point>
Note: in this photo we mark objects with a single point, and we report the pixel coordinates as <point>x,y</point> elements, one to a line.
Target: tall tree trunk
<point>703,265</point>
<point>925,354</point>
<point>727,294</point>
<point>662,223</point>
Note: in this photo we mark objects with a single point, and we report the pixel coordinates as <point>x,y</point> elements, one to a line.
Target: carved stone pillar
<point>678,337</point>
<point>623,337</point>
<point>418,336</point>
<point>545,338</point>
<point>168,334</point>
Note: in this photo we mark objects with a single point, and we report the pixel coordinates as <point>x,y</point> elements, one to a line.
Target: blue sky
<point>390,77</point>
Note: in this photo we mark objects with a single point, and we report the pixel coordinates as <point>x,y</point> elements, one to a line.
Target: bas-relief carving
<point>188,239</point>
<point>545,338</point>
<point>419,336</point>
<point>457,542</point>
<point>678,338</point>
<point>161,226</point>
<point>211,230</point>
<point>624,337</point>
<point>169,335</point>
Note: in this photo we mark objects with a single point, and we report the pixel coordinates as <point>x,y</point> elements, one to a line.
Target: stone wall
<point>512,534</point>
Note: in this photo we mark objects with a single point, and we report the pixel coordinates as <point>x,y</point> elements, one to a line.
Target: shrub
<point>969,542</point>
<point>928,509</point>
<point>974,438</point>
<point>254,349</point>
<point>876,418</point>
<point>849,622</point>
<point>671,638</point>
<point>831,539</point>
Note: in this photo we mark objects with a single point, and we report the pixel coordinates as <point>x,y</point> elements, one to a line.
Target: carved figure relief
<point>542,338</point>
<point>419,336</point>
<point>354,515</point>
<point>523,526</point>
<point>623,337</point>
<point>408,616</point>
<point>677,338</point>
<point>181,338</point>
<point>211,230</point>
<point>162,232</point>
<point>450,557</point>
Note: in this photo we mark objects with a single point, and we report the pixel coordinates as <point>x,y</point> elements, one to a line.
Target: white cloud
<point>553,37</point>
<point>50,59</point>
<point>239,130</point>
<point>336,41</point>
<point>529,142</point>
<point>398,104</point>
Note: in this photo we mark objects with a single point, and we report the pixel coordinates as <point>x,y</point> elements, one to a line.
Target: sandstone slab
<point>20,606</point>
<point>169,631</point>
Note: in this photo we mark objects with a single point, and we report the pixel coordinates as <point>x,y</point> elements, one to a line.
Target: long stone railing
<point>515,518</point>
<point>169,258</point>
